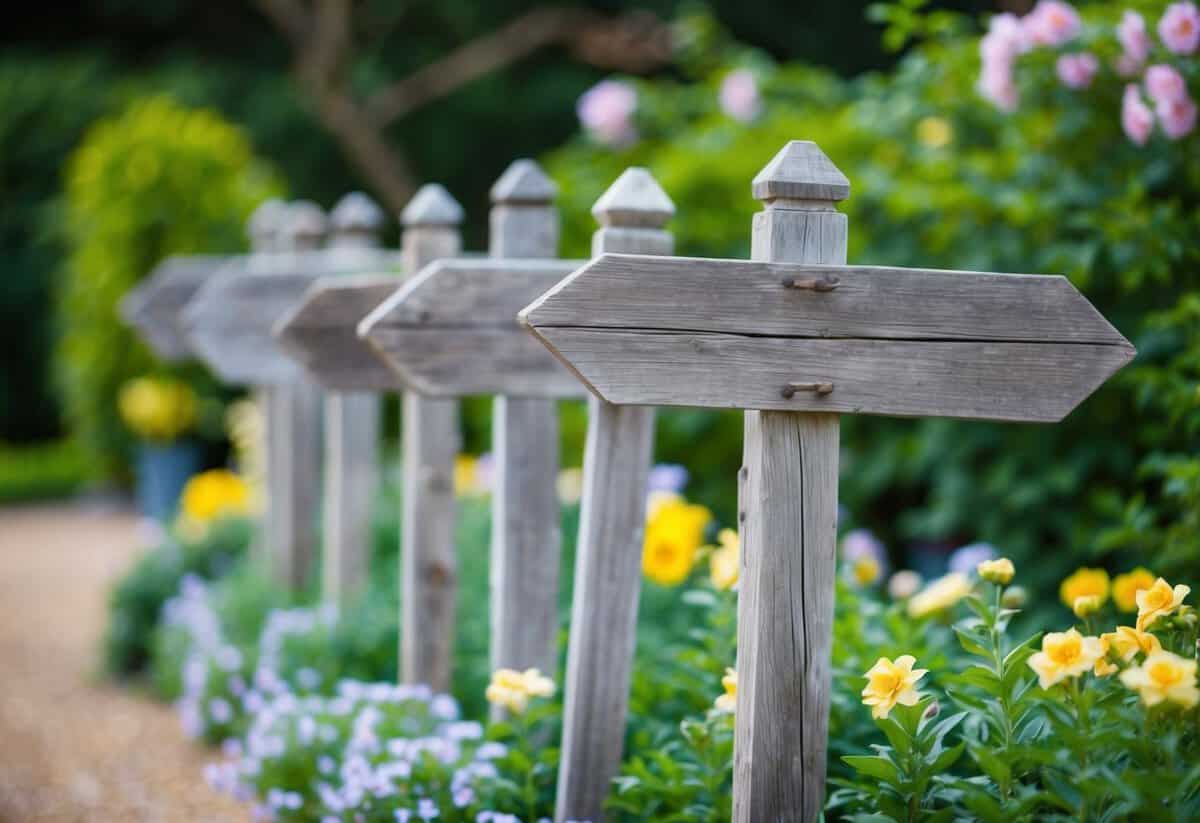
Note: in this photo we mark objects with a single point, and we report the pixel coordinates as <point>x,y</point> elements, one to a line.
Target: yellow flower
<point>723,563</point>
<point>465,474</point>
<point>214,494</point>
<point>570,485</point>
<point>1158,601</point>
<point>939,595</point>
<point>727,702</point>
<point>1065,654</point>
<point>1126,642</point>
<point>1086,605</point>
<point>1164,676</point>
<point>1126,586</point>
<point>159,409</point>
<point>999,571</point>
<point>890,683</point>
<point>1084,582</point>
<point>1103,668</point>
<point>934,132</point>
<point>513,689</point>
<point>866,570</point>
<point>674,533</point>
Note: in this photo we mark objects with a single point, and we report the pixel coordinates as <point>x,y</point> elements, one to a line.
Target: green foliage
<point>941,178</point>
<point>156,180</point>
<point>36,472</point>
<point>135,604</point>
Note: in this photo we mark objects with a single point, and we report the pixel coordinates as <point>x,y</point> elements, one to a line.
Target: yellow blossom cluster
<point>674,535</point>
<point>723,562</point>
<point>514,689</point>
<point>209,496</point>
<point>890,683</point>
<point>727,701</point>
<point>160,409</point>
<point>939,595</point>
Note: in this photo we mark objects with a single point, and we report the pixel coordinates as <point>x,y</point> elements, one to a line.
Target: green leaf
<point>947,758</point>
<point>879,767</point>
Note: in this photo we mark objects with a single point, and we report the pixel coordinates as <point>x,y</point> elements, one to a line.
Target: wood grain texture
<point>430,442</point>
<point>868,302</point>
<point>155,305</point>
<point>293,481</point>
<point>608,559</point>
<point>1030,382</point>
<point>526,544</point>
<point>352,423</point>
<point>452,330</point>
<point>322,333</point>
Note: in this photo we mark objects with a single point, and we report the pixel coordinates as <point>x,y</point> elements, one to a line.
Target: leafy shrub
<point>53,469</point>
<point>153,181</point>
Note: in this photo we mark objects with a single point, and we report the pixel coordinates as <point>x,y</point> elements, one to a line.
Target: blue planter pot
<point>162,472</point>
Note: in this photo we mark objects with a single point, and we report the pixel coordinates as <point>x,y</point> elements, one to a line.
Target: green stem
<point>1005,697</point>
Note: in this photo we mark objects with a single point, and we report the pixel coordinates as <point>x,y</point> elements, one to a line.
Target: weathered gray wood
<point>788,540</point>
<point>154,306</point>
<point>1034,382</point>
<point>526,535</point>
<point>452,330</point>
<point>619,451</point>
<point>869,302</point>
<point>430,435</point>
<point>351,428</point>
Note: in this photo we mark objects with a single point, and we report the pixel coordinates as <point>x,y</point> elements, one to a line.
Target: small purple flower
<point>606,111</point>
<point>220,710</point>
<point>326,764</point>
<point>444,707</point>
<point>309,679</point>
<point>667,477</point>
<point>964,559</point>
<point>739,96</point>
<point>426,809</point>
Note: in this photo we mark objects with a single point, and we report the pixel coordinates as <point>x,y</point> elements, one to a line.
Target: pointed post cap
<point>634,199</point>
<point>305,220</point>
<point>432,205</point>
<point>524,182</point>
<point>267,220</point>
<point>801,171</point>
<point>356,213</point>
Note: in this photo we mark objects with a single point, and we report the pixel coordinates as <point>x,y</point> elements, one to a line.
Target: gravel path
<point>73,748</point>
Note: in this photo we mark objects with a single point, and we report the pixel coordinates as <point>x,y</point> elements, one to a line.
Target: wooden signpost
<point>154,306</point>
<point>452,331</point>
<point>797,338</point>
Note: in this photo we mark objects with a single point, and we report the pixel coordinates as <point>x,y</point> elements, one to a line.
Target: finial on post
<point>631,214</point>
<point>305,226</point>
<point>800,171</point>
<point>356,221</point>
<point>431,223</point>
<point>265,225</point>
<point>523,220</point>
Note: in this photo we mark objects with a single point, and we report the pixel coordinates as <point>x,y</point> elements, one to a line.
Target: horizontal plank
<point>1035,382</point>
<point>452,330</point>
<point>868,302</point>
<point>229,323</point>
<point>322,333</point>
<point>154,306</point>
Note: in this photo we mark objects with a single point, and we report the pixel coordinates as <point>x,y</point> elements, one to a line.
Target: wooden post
<point>430,434</point>
<point>352,421</point>
<point>526,535</point>
<point>788,515</point>
<point>294,438</point>
<point>608,564</point>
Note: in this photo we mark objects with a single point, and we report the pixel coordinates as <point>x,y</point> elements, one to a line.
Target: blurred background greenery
<point>91,100</point>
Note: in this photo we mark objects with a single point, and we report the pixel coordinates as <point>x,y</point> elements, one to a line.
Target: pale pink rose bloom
<point>1131,32</point>
<point>1006,38</point>
<point>739,96</point>
<point>606,110</point>
<point>1126,66</point>
<point>1178,116</point>
<point>996,84</point>
<point>1052,23</point>
<point>1164,83</point>
<point>1076,71</point>
<point>1179,27</point>
<point>1136,117</point>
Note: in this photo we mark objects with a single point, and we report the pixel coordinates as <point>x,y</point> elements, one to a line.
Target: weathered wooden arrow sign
<point>452,330</point>
<point>154,307</point>
<point>856,339</point>
<point>230,321</point>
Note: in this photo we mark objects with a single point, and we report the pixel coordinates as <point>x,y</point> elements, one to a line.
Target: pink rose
<point>1179,27</point>
<point>1076,71</point>
<point>1052,23</point>
<point>1178,116</point>
<point>1006,38</point>
<point>1136,117</point>
<point>606,110</point>
<point>1164,84</point>
<point>1131,32</point>
<point>996,84</point>
<point>739,96</point>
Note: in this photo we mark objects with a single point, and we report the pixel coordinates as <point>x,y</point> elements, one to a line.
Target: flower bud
<point>1014,597</point>
<point>933,711</point>
<point>1086,605</point>
<point>999,571</point>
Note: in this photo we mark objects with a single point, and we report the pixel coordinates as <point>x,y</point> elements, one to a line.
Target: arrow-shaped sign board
<point>155,305</point>
<point>231,320</point>
<point>452,330</point>
<point>651,330</point>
